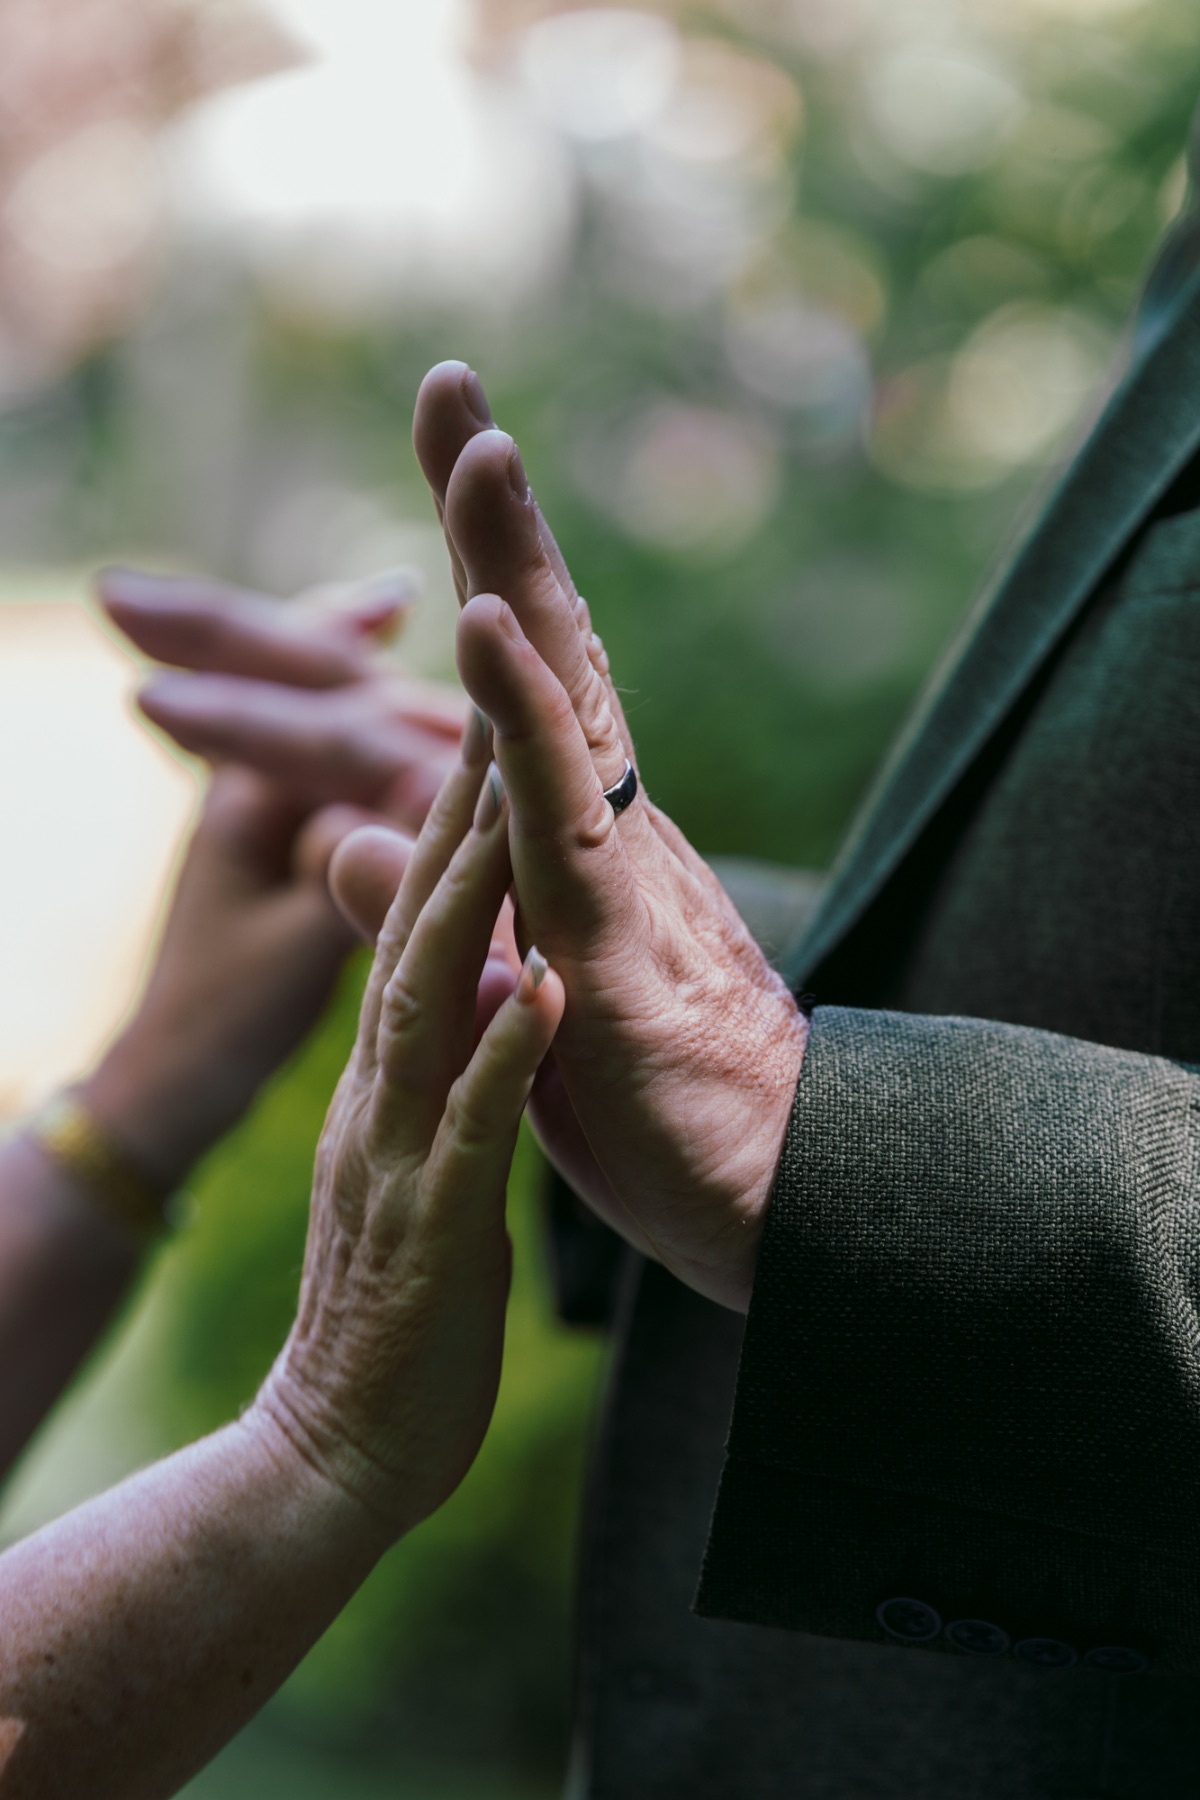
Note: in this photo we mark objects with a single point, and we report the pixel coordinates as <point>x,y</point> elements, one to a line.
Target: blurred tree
<point>835,286</point>
<point>85,88</point>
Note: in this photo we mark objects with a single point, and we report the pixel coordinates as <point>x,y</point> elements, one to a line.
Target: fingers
<point>447,823</point>
<point>376,608</point>
<point>451,409</point>
<point>427,1008</point>
<point>494,523</point>
<point>194,623</point>
<point>572,856</point>
<point>474,1144</point>
<point>365,872</point>
<point>251,822</point>
<point>320,842</point>
<point>352,743</point>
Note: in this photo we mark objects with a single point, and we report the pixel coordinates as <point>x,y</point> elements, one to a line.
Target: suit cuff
<point>970,1374</point>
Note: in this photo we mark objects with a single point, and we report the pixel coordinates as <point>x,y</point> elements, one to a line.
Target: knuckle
<point>596,719</point>
<point>598,655</point>
<point>468,1125</point>
<point>561,710</point>
<point>403,1010</point>
<point>594,826</point>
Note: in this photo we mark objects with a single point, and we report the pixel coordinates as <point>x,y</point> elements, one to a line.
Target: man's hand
<point>680,1048</point>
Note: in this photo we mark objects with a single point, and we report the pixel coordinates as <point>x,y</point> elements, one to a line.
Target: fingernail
<point>518,480</point>
<point>491,800</point>
<point>532,975</point>
<point>391,587</point>
<point>476,739</point>
<point>476,399</point>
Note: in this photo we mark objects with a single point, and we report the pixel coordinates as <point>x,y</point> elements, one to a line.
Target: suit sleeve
<point>968,1405</point>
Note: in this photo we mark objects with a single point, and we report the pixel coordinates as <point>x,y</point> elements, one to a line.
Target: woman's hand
<point>389,1377</point>
<point>248,957</point>
<point>142,1630</point>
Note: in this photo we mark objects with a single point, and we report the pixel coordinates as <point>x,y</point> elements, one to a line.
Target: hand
<point>364,874</point>
<point>680,1049</point>
<point>294,691</point>
<point>248,957</point>
<point>388,1380</point>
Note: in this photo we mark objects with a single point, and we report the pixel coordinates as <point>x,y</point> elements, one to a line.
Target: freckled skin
<point>141,1631</point>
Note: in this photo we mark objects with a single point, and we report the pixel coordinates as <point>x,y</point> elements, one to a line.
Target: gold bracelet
<point>67,1131</point>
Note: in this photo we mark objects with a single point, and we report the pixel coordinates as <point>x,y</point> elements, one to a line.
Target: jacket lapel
<point>1144,437</point>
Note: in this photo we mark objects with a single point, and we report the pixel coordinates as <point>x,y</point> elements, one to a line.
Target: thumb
<point>365,870</point>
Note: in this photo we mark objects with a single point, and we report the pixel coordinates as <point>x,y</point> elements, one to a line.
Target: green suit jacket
<point>971,1376</point>
<point>955,1547</point>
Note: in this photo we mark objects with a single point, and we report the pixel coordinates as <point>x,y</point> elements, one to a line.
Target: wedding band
<point>625,791</point>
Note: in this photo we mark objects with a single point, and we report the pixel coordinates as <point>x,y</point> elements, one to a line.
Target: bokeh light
<point>790,303</point>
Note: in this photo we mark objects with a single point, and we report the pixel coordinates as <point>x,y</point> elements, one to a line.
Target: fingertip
<point>322,837</point>
<point>374,604</point>
<point>486,613</point>
<point>540,986</point>
<point>451,409</point>
<point>443,377</point>
<point>106,580</point>
<point>490,513</point>
<point>534,970</point>
<point>113,577</point>
<point>475,398</point>
<point>119,584</point>
<point>489,460</point>
<point>163,698</point>
<point>365,871</point>
<point>116,593</point>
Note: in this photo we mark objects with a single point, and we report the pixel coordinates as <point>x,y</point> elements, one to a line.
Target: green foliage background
<point>763,674</point>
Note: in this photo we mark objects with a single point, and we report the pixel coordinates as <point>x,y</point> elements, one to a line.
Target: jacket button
<point>909,1620</point>
<point>977,1637</point>
<point>1117,1659</point>
<point>1048,1653</point>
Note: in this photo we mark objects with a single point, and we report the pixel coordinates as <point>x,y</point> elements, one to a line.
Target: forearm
<point>64,1266</point>
<point>139,1633</point>
<point>66,1253</point>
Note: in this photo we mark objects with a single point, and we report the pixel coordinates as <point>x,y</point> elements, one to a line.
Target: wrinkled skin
<point>672,1080</point>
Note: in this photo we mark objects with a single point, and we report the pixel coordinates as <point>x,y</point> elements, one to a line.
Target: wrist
<point>94,1164</point>
<point>782,1064</point>
<point>150,1109</point>
<point>359,1491</point>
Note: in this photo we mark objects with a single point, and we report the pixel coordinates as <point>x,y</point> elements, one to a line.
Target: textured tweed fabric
<point>955,1549</point>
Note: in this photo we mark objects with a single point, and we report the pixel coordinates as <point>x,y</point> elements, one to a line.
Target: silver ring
<point>625,791</point>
